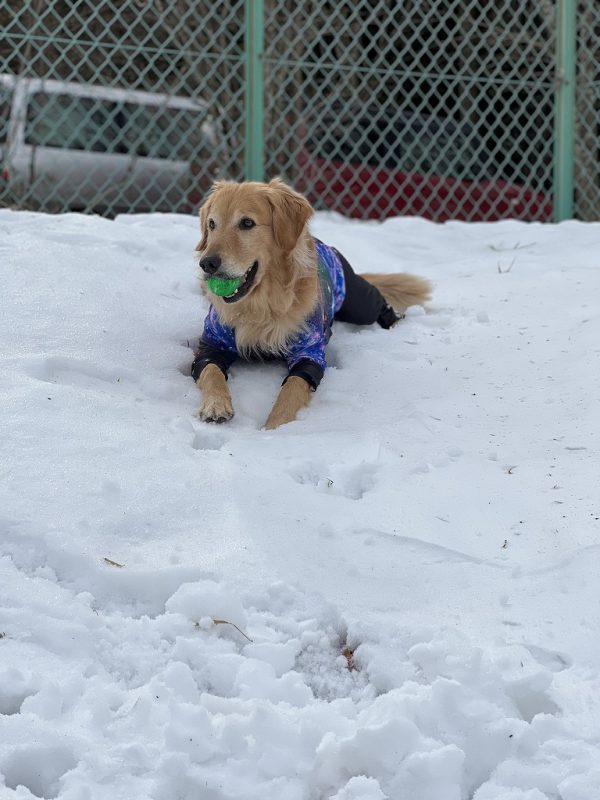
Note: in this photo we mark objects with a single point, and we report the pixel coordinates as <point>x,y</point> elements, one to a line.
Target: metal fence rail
<point>457,109</point>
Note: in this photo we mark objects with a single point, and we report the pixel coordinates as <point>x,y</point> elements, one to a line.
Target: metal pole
<point>254,144</point>
<point>564,115</point>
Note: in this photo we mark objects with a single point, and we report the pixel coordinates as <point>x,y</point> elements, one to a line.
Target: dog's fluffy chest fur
<point>270,318</point>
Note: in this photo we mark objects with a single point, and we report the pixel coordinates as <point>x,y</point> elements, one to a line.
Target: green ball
<point>223,287</point>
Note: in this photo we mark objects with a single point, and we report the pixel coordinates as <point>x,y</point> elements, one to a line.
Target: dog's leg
<point>216,400</point>
<point>294,395</point>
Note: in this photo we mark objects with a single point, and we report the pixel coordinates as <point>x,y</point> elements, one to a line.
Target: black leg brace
<point>364,304</point>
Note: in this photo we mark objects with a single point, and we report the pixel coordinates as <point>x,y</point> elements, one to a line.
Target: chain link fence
<point>449,109</point>
<point>118,105</point>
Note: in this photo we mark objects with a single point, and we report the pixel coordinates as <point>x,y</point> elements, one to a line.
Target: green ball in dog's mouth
<point>223,287</point>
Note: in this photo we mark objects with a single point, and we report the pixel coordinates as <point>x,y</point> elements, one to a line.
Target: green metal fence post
<point>254,145</point>
<point>564,114</point>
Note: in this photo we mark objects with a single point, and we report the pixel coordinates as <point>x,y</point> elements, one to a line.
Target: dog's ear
<point>204,212</point>
<point>291,212</point>
<point>203,226</point>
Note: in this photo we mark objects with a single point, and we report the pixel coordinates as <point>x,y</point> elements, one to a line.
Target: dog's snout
<point>210,264</point>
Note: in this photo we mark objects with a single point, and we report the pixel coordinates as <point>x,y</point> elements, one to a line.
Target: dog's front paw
<point>216,410</point>
<point>294,395</point>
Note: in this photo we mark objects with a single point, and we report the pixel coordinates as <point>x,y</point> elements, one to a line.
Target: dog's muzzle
<point>210,264</point>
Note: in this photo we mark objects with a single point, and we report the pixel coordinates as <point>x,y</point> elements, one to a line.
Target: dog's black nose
<point>210,264</point>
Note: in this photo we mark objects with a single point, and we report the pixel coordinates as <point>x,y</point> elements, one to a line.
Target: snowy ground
<point>432,521</point>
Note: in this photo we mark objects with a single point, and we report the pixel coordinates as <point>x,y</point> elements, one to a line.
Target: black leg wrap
<point>388,317</point>
<point>363,303</point>
<point>208,354</point>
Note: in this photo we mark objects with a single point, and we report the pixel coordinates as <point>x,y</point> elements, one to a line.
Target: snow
<point>393,597</point>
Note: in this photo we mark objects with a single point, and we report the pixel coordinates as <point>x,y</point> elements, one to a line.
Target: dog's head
<point>248,232</point>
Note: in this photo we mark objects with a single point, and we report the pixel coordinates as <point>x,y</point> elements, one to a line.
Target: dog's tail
<point>401,290</point>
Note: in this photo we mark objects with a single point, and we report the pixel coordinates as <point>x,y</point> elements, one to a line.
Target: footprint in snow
<point>15,688</point>
<point>71,371</point>
<point>88,375</point>
<point>350,482</point>
<point>38,768</point>
<point>208,440</point>
<point>451,455</point>
<point>551,659</point>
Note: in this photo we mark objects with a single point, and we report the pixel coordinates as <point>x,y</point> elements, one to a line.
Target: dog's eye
<point>211,224</point>
<point>246,223</point>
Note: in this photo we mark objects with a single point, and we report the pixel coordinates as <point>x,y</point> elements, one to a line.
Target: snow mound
<point>281,699</point>
<point>393,597</point>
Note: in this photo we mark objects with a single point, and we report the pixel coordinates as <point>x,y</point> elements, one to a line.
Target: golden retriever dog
<point>275,290</point>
